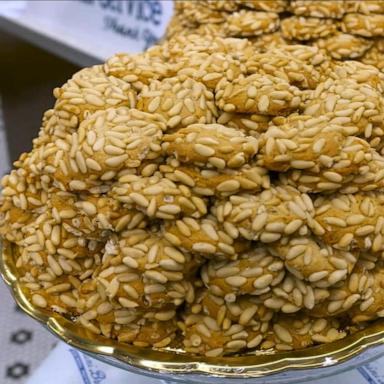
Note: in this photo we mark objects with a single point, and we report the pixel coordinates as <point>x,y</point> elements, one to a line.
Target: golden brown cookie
<point>344,45</point>
<point>251,124</point>
<point>246,310</point>
<point>142,329</point>
<point>280,63</point>
<point>126,285</point>
<point>300,331</point>
<point>158,197</point>
<point>204,237</point>
<point>363,25</point>
<point>374,56</point>
<point>211,145</point>
<point>215,30</point>
<point>253,273</point>
<point>350,221</point>
<point>209,68</point>
<point>349,295</point>
<point>371,304</point>
<point>181,101</point>
<point>310,55</point>
<point>357,167</point>
<point>222,5</point>
<point>266,41</point>
<point>314,261</point>
<point>250,23</point>
<point>105,142</point>
<point>264,5</point>
<point>145,333</point>
<point>202,335</point>
<point>195,13</point>
<point>90,90</point>
<point>319,8</point>
<point>257,93</point>
<point>361,73</point>
<point>357,106</point>
<point>293,294</point>
<point>300,142</point>
<point>180,45</point>
<point>367,6</point>
<point>93,216</point>
<point>266,216</point>
<point>307,28</point>
<point>56,124</point>
<point>147,252</point>
<point>23,197</point>
<point>210,182</point>
<point>136,70</point>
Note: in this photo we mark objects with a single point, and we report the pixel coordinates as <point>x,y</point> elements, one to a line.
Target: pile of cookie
<point>206,196</point>
<point>345,29</point>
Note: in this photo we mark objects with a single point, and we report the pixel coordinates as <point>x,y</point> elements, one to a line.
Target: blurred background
<point>42,44</point>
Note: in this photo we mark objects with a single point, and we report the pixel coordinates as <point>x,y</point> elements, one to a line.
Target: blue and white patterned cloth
<point>78,368</point>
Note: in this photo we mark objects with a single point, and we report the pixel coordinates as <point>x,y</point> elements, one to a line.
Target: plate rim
<point>152,362</point>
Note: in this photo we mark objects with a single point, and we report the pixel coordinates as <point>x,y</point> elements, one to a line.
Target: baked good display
<point>206,195</point>
<point>345,29</point>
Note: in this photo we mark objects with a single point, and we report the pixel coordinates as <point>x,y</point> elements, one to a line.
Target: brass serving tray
<point>177,364</point>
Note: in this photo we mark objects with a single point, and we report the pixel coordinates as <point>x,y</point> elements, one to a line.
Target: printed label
<point>98,28</point>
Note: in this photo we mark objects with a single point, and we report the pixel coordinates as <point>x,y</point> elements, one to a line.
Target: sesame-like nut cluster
<point>258,93</point>
<point>135,70</point>
<point>344,46</point>
<point>252,124</point>
<point>262,5</point>
<point>363,116</point>
<point>210,68</point>
<point>212,182</point>
<point>205,237</point>
<point>286,64</point>
<point>211,145</point>
<point>204,336</point>
<point>89,90</point>
<point>364,25</point>
<point>311,260</point>
<point>104,143</point>
<point>367,7</point>
<point>222,5</point>
<point>199,13</point>
<point>350,221</point>
<point>249,23</point>
<point>263,43</point>
<point>267,216</point>
<point>357,71</point>
<point>300,142</point>
<point>343,29</point>
<point>158,197</point>
<point>252,273</point>
<point>301,28</point>
<point>302,332</point>
<point>316,8</point>
<point>180,102</point>
<point>375,56</point>
<point>357,287</point>
<point>208,195</point>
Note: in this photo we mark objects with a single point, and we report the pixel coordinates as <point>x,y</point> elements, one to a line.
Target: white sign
<point>98,28</point>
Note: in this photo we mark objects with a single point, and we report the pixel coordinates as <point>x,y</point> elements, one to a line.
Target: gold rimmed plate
<point>175,365</point>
